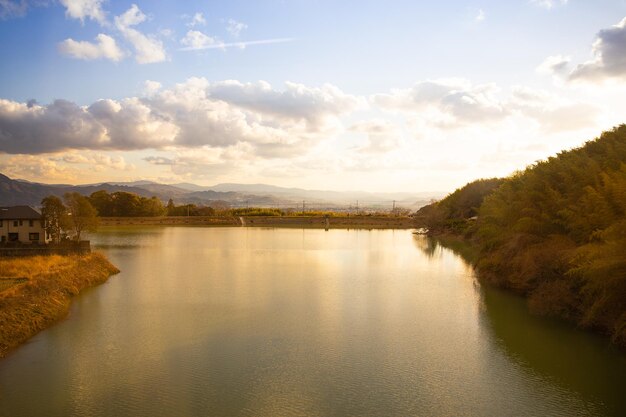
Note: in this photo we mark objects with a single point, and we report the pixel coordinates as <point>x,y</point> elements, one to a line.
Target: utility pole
<point>394,207</point>
<point>302,206</point>
<point>357,207</point>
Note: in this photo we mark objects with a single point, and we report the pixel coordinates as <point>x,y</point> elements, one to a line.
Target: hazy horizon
<point>224,185</point>
<point>309,94</point>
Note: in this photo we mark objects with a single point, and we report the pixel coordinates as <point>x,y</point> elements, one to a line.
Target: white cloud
<point>549,4</point>
<point>82,9</point>
<point>167,33</point>
<point>159,160</point>
<point>12,8</point>
<point>456,103</point>
<point>204,164</point>
<point>193,114</point>
<point>150,88</point>
<point>38,129</point>
<point>195,40</point>
<point>553,113</point>
<point>609,50</point>
<point>105,47</point>
<point>18,8</point>
<point>130,17</point>
<point>148,49</point>
<point>608,63</point>
<point>297,103</point>
<point>234,131</point>
<point>202,43</point>
<point>132,124</point>
<point>36,168</point>
<point>97,161</point>
<point>197,20</point>
<point>234,27</point>
<point>382,135</point>
<point>480,16</point>
<point>447,103</point>
<point>63,167</point>
<point>554,65</point>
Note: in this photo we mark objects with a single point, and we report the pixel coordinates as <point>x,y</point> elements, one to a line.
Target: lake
<point>291,322</point>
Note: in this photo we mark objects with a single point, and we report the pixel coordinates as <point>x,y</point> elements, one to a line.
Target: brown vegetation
<point>555,232</point>
<point>28,308</point>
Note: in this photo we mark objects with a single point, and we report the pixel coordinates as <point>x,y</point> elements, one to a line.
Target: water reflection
<point>280,322</point>
<point>580,362</point>
<point>426,244</point>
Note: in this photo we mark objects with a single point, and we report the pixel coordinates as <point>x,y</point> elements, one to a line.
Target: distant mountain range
<point>17,192</point>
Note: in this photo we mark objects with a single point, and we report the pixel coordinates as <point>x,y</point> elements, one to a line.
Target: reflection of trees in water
<point>426,244</point>
<point>431,247</point>
<point>576,360</point>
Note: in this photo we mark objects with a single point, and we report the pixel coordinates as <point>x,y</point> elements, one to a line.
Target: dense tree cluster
<point>456,212</point>
<point>555,232</point>
<point>123,204</point>
<point>68,218</point>
<point>188,210</point>
<point>256,211</point>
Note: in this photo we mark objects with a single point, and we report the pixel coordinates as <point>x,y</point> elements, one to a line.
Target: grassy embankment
<point>555,232</point>
<point>44,298</point>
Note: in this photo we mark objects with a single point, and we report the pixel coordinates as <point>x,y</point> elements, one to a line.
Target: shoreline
<point>469,251</point>
<point>317,222</point>
<point>44,299</point>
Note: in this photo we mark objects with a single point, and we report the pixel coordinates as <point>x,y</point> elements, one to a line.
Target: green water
<point>284,322</point>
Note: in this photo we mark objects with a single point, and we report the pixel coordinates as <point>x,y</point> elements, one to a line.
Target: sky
<point>365,95</point>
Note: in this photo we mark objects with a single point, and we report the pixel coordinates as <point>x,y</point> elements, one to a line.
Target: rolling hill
<point>16,192</point>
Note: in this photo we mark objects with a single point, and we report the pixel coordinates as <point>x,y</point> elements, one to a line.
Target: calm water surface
<point>284,322</point>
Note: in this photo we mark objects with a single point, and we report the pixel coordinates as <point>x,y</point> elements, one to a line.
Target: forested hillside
<point>456,212</point>
<point>557,233</point>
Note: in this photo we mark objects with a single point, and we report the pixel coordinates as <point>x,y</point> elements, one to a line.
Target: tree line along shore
<point>75,214</point>
<point>554,232</point>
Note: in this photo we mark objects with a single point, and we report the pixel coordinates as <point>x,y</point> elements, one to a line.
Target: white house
<point>21,224</point>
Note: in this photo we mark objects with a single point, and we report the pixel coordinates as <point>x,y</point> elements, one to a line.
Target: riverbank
<point>64,248</point>
<point>546,300</point>
<point>41,296</point>
<point>320,222</point>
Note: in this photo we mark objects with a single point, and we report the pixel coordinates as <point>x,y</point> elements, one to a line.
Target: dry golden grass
<point>30,307</point>
<point>6,283</point>
<point>29,267</point>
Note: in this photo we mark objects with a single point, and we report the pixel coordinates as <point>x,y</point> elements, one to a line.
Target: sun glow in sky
<point>368,95</point>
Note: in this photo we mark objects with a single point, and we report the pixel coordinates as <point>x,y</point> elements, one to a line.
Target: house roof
<point>19,213</point>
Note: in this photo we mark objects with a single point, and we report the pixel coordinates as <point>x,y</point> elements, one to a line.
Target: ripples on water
<point>282,322</point>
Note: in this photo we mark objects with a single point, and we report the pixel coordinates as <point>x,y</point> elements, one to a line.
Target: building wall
<point>24,230</point>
